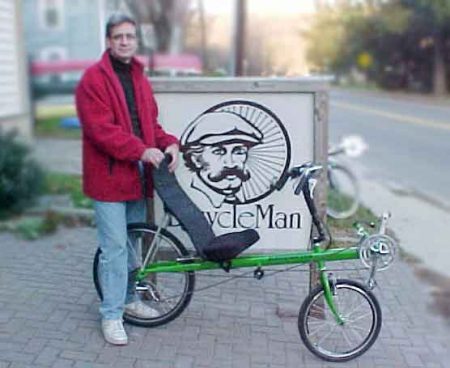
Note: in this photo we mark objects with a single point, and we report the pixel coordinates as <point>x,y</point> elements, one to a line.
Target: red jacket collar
<point>105,64</point>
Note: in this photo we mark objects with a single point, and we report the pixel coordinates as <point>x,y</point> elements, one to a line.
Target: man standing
<point>122,139</point>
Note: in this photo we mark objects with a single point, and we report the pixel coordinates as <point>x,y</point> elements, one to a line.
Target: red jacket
<point>110,149</point>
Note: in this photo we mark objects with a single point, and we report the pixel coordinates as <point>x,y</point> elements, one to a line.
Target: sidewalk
<point>60,155</point>
<point>49,318</point>
<point>420,223</point>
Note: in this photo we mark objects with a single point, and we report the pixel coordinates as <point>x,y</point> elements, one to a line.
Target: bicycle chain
<point>245,275</point>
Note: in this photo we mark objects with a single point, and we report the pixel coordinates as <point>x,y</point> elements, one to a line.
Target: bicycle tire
<point>153,290</point>
<point>314,312</point>
<point>343,192</point>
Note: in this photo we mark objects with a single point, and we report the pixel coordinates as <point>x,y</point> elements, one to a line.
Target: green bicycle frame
<point>254,260</point>
<point>317,255</point>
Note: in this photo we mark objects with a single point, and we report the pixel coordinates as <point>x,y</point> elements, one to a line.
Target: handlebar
<point>336,151</point>
<point>303,173</point>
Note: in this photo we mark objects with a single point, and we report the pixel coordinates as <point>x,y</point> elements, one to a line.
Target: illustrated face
<point>123,42</point>
<point>222,167</point>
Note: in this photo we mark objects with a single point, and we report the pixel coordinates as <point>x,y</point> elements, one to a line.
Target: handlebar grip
<point>300,185</point>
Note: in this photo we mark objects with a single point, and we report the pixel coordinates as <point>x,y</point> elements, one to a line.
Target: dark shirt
<point>123,71</point>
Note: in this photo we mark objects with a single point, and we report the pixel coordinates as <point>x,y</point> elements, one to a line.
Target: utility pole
<point>102,23</point>
<point>203,41</point>
<point>238,42</point>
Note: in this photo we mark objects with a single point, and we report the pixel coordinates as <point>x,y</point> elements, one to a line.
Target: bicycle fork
<point>328,283</point>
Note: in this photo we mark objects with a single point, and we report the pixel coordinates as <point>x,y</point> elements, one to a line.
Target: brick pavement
<point>49,318</point>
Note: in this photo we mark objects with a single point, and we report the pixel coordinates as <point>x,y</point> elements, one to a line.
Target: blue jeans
<point>118,256</point>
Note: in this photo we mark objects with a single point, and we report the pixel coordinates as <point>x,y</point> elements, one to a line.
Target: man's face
<point>123,42</point>
<point>222,167</point>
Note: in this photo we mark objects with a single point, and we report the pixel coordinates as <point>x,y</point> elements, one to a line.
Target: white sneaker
<point>140,310</point>
<point>114,332</point>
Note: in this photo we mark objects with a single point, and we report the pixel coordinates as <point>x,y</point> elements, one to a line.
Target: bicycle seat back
<point>209,246</point>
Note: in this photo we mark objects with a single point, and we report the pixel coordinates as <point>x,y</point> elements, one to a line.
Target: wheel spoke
<point>348,315</point>
<point>346,337</point>
<point>353,320</point>
<point>356,333</point>
<point>167,293</point>
<point>335,342</point>
<point>356,328</point>
<point>326,324</point>
<point>164,298</point>
<point>327,335</point>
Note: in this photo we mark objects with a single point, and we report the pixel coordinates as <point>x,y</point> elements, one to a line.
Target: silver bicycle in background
<point>343,192</point>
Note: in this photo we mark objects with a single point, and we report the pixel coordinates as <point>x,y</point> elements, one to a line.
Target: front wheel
<point>168,293</point>
<point>334,342</point>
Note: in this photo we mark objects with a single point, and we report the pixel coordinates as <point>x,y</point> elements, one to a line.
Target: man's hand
<point>173,150</point>
<point>153,156</point>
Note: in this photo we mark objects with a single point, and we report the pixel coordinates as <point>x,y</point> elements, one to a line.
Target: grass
<point>363,214</point>
<point>45,112</point>
<point>31,227</point>
<point>58,183</point>
<point>49,127</point>
<point>48,119</point>
<point>36,226</point>
<point>345,229</point>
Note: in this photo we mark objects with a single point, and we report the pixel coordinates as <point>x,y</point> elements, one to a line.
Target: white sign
<point>235,147</point>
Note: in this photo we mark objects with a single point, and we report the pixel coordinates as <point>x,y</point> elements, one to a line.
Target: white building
<point>15,106</point>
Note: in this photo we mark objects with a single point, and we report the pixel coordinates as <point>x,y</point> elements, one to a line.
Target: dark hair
<point>118,18</point>
<point>188,151</point>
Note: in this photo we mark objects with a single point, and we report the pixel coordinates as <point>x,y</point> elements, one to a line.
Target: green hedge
<point>21,178</point>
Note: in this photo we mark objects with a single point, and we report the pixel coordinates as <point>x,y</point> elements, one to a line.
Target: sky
<point>262,6</point>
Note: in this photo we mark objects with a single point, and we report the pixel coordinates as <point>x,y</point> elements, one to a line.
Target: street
<point>406,169</point>
<point>408,140</point>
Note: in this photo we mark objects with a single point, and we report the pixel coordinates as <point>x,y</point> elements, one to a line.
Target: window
<point>51,14</point>
<point>53,53</point>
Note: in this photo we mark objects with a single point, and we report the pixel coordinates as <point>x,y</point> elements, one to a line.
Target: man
<point>216,147</point>
<point>118,114</point>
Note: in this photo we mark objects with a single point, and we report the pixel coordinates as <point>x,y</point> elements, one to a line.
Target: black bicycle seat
<point>209,246</point>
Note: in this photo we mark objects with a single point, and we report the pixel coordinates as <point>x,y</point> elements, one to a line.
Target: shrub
<point>21,177</point>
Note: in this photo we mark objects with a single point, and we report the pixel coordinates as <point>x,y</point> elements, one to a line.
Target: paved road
<point>48,318</point>
<point>407,167</point>
<point>408,138</point>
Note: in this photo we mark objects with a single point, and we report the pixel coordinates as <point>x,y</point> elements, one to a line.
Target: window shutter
<point>10,82</point>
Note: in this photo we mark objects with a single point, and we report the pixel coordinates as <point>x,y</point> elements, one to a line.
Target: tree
<point>406,40</point>
<point>434,16</point>
<point>168,18</point>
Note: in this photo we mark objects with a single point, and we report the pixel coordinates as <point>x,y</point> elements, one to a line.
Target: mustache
<point>241,174</point>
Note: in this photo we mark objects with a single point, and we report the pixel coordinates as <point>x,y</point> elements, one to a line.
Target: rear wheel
<point>334,342</point>
<point>343,194</point>
<point>169,293</point>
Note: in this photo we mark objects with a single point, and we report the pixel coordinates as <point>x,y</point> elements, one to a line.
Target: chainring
<point>379,248</point>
